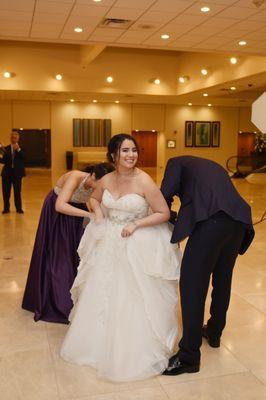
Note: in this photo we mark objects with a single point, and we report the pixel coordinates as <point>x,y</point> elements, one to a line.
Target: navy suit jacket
<point>204,188</point>
<point>19,161</point>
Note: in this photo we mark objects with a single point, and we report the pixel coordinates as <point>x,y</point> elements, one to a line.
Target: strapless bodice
<point>127,208</point>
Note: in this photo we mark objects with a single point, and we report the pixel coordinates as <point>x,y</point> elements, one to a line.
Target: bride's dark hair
<point>115,144</point>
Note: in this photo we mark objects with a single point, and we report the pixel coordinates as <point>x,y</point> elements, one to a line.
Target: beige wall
<point>166,119</point>
<point>175,121</point>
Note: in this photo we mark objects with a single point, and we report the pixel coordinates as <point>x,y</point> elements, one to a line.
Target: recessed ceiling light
<point>233,60</point>
<point>59,77</point>
<point>7,74</point>
<point>78,29</point>
<point>136,130</point>
<point>153,130</point>
<point>205,94</point>
<point>183,79</point>
<point>95,101</point>
<point>165,36</point>
<point>242,43</point>
<point>233,88</point>
<point>204,71</point>
<point>209,105</point>
<point>97,1</point>
<point>205,9</point>
<point>109,79</point>
<point>157,81</point>
<point>117,101</point>
<point>189,104</point>
<point>72,100</point>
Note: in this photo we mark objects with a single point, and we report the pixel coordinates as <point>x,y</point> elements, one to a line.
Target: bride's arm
<point>157,204</point>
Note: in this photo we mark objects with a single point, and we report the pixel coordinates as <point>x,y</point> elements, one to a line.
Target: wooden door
<point>245,144</point>
<point>147,141</point>
<point>37,146</point>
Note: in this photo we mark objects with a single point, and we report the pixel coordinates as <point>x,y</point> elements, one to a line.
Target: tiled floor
<point>30,368</point>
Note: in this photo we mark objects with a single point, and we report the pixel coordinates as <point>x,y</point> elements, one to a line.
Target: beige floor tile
<point>236,387</point>
<point>19,332</point>
<point>257,300</point>
<point>260,374</point>
<point>240,312</point>
<point>136,394</point>
<point>28,376</point>
<point>247,344</point>
<point>78,381</point>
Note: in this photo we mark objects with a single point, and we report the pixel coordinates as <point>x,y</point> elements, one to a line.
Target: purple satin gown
<point>54,261</point>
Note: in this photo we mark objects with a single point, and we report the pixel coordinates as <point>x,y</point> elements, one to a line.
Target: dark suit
<point>12,174</point>
<point>218,222</point>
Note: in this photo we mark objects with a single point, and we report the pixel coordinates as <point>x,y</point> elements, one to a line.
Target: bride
<point>124,319</point>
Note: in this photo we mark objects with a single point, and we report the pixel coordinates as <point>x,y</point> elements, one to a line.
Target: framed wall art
<point>171,144</point>
<point>216,134</point>
<point>189,133</point>
<point>202,134</point>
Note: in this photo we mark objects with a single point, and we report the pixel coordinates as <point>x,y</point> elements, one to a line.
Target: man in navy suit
<point>218,222</point>
<point>12,173</point>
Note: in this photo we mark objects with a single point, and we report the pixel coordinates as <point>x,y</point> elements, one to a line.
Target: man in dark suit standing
<point>12,173</point>
<point>218,223</point>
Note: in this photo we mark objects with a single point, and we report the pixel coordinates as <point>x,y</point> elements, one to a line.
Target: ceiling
<point>220,29</point>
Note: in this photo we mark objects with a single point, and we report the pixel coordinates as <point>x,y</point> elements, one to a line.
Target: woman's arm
<point>157,203</point>
<point>65,195</point>
<point>95,201</point>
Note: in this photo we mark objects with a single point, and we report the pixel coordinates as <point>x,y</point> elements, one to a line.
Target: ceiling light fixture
<point>183,79</point>
<point>95,101</point>
<point>7,74</point>
<point>58,77</point>
<point>233,60</point>
<point>189,104</point>
<point>72,100</point>
<point>109,79</point>
<point>204,71</point>
<point>209,105</point>
<point>242,43</point>
<point>205,9</point>
<point>97,1</point>
<point>232,88</point>
<point>165,36</point>
<point>205,95</point>
<point>78,29</point>
<point>157,81</point>
<point>117,101</point>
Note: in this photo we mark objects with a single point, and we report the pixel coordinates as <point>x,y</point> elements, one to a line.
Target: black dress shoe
<point>20,211</point>
<point>177,367</point>
<point>212,342</point>
<point>5,212</point>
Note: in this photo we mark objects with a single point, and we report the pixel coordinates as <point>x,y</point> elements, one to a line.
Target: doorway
<point>147,141</point>
<point>246,141</point>
<point>37,146</point>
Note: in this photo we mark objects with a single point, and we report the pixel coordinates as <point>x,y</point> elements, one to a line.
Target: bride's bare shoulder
<point>144,178</point>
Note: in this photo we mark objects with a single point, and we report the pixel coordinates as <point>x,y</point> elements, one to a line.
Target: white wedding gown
<point>124,319</point>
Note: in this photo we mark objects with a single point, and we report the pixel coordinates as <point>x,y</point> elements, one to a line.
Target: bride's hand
<point>129,229</point>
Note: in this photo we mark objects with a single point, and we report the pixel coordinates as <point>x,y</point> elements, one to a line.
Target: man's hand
<point>15,146</point>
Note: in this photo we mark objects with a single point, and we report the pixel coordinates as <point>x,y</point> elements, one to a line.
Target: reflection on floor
<point>30,368</point>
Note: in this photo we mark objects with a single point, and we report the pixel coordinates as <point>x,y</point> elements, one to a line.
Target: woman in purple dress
<point>54,261</point>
